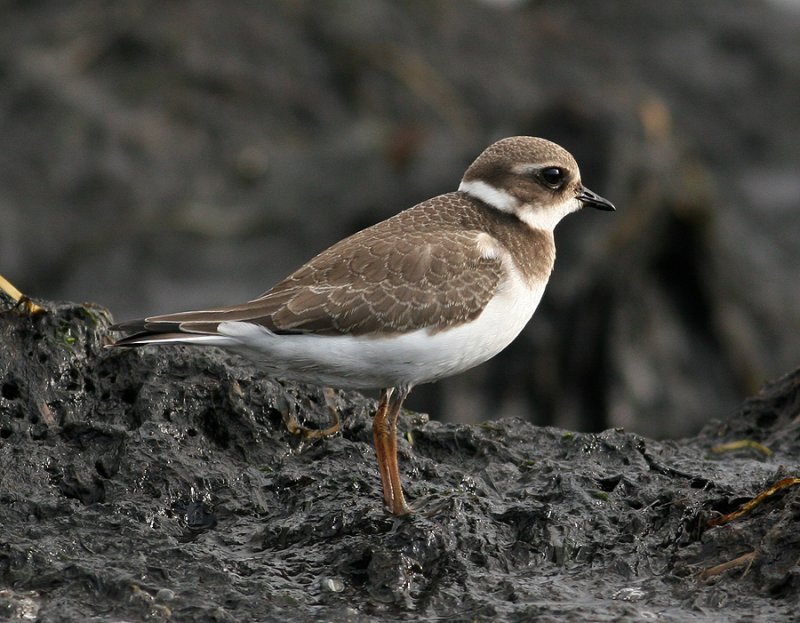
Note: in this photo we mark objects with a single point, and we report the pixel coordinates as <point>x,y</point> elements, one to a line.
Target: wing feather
<point>436,275</point>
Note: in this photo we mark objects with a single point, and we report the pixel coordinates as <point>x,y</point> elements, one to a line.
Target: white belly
<point>362,362</point>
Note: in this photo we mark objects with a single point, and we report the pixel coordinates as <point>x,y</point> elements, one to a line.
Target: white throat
<point>548,218</point>
<point>534,217</point>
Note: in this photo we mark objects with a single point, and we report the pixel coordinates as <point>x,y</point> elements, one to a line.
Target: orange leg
<point>399,506</point>
<point>380,436</point>
<point>384,432</point>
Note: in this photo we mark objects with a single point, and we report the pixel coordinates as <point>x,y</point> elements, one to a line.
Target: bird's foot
<point>400,508</point>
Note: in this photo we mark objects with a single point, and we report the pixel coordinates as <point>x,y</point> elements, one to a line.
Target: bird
<point>425,294</point>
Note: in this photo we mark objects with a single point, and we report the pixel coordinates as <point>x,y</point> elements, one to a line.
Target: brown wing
<point>386,284</point>
<point>376,281</point>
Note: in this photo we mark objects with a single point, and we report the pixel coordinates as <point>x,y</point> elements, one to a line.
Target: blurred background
<point>161,156</point>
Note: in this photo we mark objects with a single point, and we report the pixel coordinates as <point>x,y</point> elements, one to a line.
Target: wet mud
<point>162,485</point>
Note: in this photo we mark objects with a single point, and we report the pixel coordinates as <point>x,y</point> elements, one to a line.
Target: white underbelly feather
<point>362,362</point>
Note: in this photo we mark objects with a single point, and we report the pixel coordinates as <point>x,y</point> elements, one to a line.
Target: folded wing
<point>370,283</point>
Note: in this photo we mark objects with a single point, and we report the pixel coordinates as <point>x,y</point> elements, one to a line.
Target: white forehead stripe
<point>487,193</point>
<point>525,168</point>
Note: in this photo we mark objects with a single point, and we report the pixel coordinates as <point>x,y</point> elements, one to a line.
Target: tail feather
<point>145,338</point>
<point>201,327</point>
<point>166,329</point>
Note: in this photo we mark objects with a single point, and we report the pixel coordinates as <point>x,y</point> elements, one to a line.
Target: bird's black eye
<point>553,177</point>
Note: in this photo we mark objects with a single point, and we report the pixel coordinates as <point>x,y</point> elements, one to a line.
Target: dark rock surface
<point>161,485</point>
<point>164,155</point>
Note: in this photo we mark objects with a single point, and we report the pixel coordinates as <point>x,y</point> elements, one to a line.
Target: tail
<point>222,326</point>
<point>216,327</point>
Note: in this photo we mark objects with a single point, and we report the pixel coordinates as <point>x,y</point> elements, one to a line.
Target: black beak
<point>590,199</point>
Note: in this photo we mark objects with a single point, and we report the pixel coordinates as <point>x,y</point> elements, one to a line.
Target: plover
<point>426,294</point>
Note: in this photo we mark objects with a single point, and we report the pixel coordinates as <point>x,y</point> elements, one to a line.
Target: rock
<point>161,484</point>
